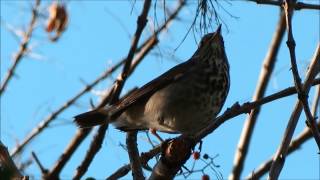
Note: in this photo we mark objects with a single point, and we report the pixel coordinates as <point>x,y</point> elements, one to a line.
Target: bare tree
<point>170,154</point>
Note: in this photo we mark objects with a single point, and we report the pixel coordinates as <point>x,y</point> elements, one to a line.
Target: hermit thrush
<point>182,100</point>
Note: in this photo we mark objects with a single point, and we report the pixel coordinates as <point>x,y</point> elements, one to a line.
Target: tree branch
<point>22,48</point>
<point>133,153</point>
<point>278,160</point>
<point>144,158</point>
<point>305,135</point>
<point>265,74</point>
<point>302,95</point>
<point>297,6</point>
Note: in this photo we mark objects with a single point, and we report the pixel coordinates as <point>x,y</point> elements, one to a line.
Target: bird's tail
<point>92,118</point>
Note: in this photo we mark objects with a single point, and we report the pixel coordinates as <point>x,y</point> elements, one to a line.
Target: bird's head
<point>212,42</point>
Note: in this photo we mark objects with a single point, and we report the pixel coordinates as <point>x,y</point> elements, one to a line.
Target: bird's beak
<point>218,31</point>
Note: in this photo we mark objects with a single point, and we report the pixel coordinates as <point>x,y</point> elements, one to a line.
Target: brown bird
<point>182,100</point>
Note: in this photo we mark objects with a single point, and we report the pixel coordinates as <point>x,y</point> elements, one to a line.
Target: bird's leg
<point>154,132</point>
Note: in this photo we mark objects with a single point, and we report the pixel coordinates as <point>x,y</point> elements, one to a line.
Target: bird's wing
<point>173,75</point>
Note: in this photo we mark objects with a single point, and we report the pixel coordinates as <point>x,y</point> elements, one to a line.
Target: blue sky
<point>94,40</point>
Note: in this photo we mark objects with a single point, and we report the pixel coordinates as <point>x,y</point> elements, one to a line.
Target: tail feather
<point>91,118</point>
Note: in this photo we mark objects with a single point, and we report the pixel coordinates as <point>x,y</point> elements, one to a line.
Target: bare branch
<point>43,170</point>
<point>141,23</point>
<point>265,74</point>
<point>302,95</point>
<point>144,158</point>
<point>44,123</point>
<point>23,48</point>
<point>278,160</point>
<point>297,6</point>
<point>133,153</point>
<point>294,145</point>
<point>80,135</point>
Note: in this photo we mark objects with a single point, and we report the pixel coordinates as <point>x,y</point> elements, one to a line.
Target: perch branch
<point>234,111</point>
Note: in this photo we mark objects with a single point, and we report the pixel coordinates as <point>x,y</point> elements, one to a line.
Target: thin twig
<point>294,145</point>
<point>23,48</point>
<point>279,158</point>
<point>297,6</point>
<point>44,123</point>
<point>133,153</point>
<point>141,23</point>
<point>265,75</point>
<point>43,170</point>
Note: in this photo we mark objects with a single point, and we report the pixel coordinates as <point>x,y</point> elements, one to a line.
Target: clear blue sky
<point>94,41</point>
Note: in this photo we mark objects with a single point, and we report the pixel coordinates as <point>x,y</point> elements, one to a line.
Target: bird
<point>183,100</point>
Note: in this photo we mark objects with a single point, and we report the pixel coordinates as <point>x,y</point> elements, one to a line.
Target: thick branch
<point>265,74</point>
<point>297,6</point>
<point>279,158</point>
<point>23,48</point>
